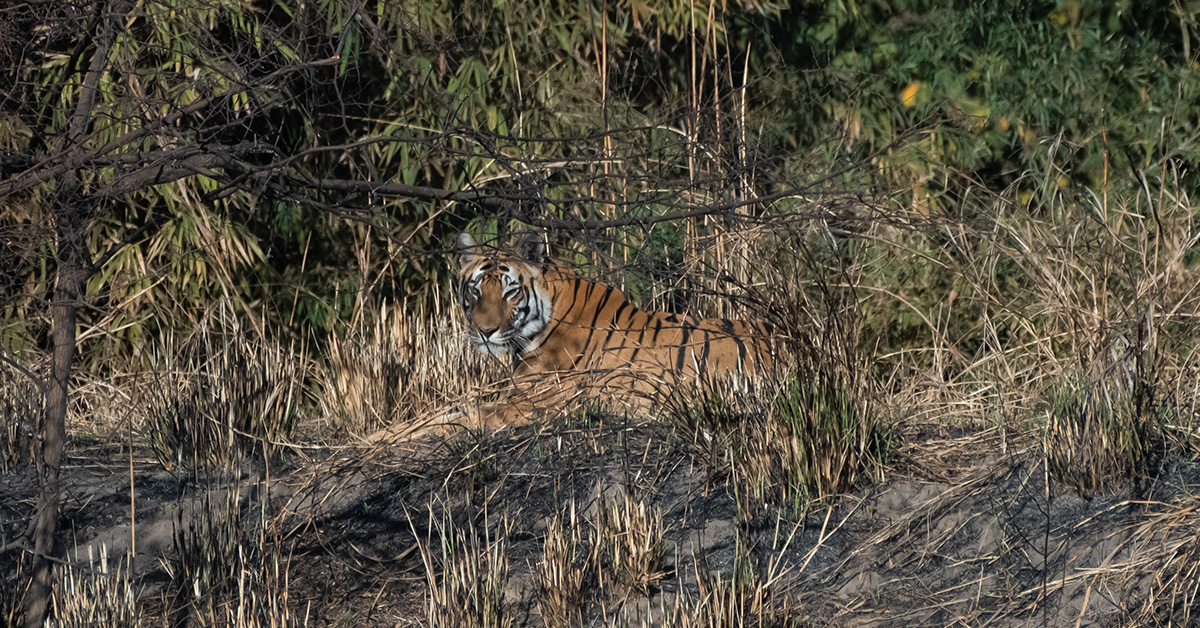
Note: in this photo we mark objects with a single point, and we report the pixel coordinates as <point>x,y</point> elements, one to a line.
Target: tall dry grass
<point>95,592</point>
<point>466,570</point>
<point>227,566</point>
<point>566,573</point>
<point>791,440</point>
<point>631,540</point>
<point>1066,320</point>
<point>394,366</point>
<point>220,392</point>
<point>21,407</point>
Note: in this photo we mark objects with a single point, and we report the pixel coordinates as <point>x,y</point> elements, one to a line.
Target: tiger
<point>569,338</point>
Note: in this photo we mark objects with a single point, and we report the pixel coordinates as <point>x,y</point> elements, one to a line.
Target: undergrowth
<point>803,437</point>
<point>220,393</point>
<point>391,366</point>
<point>226,566</point>
<point>20,412</point>
<point>95,592</point>
<point>466,570</point>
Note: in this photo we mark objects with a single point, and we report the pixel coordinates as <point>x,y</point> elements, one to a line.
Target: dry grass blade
<point>744,597</point>
<point>1095,437</point>
<point>631,537</point>
<point>94,594</point>
<point>226,569</point>
<point>220,393</point>
<point>394,367</point>
<point>565,571</point>
<point>20,412</point>
<point>805,436</point>
<point>466,573</point>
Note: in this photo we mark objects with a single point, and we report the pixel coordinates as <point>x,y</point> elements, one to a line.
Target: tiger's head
<point>504,296</point>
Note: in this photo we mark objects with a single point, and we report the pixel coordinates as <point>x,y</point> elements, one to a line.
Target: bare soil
<point>963,531</point>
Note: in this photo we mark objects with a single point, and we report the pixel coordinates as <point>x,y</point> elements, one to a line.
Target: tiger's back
<point>595,328</point>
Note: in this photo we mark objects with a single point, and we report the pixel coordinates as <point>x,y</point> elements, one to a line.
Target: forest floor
<point>963,530</point>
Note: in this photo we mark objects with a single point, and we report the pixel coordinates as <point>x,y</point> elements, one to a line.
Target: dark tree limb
<point>73,270</point>
<point>75,156</point>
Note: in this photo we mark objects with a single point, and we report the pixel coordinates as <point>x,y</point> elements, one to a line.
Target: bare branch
<point>37,381</point>
<point>72,158</point>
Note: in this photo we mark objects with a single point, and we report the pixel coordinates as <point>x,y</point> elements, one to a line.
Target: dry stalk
<point>788,441</point>
<point>20,411</point>
<point>394,367</point>
<point>631,536</point>
<point>564,573</point>
<point>94,594</point>
<point>220,393</point>
<point>1095,437</point>
<point>467,591</point>
<point>227,569</point>
<point>745,597</point>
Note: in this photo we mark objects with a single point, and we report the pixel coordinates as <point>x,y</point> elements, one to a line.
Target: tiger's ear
<point>468,251</point>
<point>533,250</point>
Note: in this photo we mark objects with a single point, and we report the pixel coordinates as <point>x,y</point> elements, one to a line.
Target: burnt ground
<point>963,530</point>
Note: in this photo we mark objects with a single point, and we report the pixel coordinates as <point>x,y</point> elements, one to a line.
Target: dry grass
<point>631,541</point>
<point>93,593</point>
<point>20,412</point>
<point>1096,437</point>
<point>792,441</point>
<point>393,367</point>
<point>226,568</point>
<point>221,392</point>
<point>748,594</point>
<point>13,586</point>
<point>730,602</point>
<point>566,571</point>
<point>466,571</point>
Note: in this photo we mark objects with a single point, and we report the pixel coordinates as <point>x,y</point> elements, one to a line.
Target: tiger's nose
<point>487,333</point>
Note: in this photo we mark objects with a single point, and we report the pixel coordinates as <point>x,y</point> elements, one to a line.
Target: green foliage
<point>1089,89</point>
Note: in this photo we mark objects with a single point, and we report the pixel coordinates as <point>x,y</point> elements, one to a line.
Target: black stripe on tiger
<point>683,345</point>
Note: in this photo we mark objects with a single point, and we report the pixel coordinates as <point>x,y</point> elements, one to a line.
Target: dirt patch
<point>985,543</point>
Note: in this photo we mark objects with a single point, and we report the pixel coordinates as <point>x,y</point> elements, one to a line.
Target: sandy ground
<point>963,530</point>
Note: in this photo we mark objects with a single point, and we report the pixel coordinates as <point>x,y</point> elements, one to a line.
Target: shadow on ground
<point>964,531</point>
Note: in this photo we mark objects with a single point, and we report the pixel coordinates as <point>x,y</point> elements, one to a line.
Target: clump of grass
<point>631,542</point>
<point>1096,436</point>
<point>731,602</point>
<point>20,412</point>
<point>225,568</point>
<point>830,436</point>
<point>14,583</point>
<point>392,366</point>
<point>565,571</point>
<point>232,393</point>
<point>746,596</point>
<point>468,589</point>
<point>808,435</point>
<point>94,594</point>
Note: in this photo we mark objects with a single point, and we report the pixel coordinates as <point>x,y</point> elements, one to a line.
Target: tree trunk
<point>73,272</point>
<point>74,264</point>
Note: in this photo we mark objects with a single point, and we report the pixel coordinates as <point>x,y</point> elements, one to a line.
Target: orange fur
<point>569,337</point>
